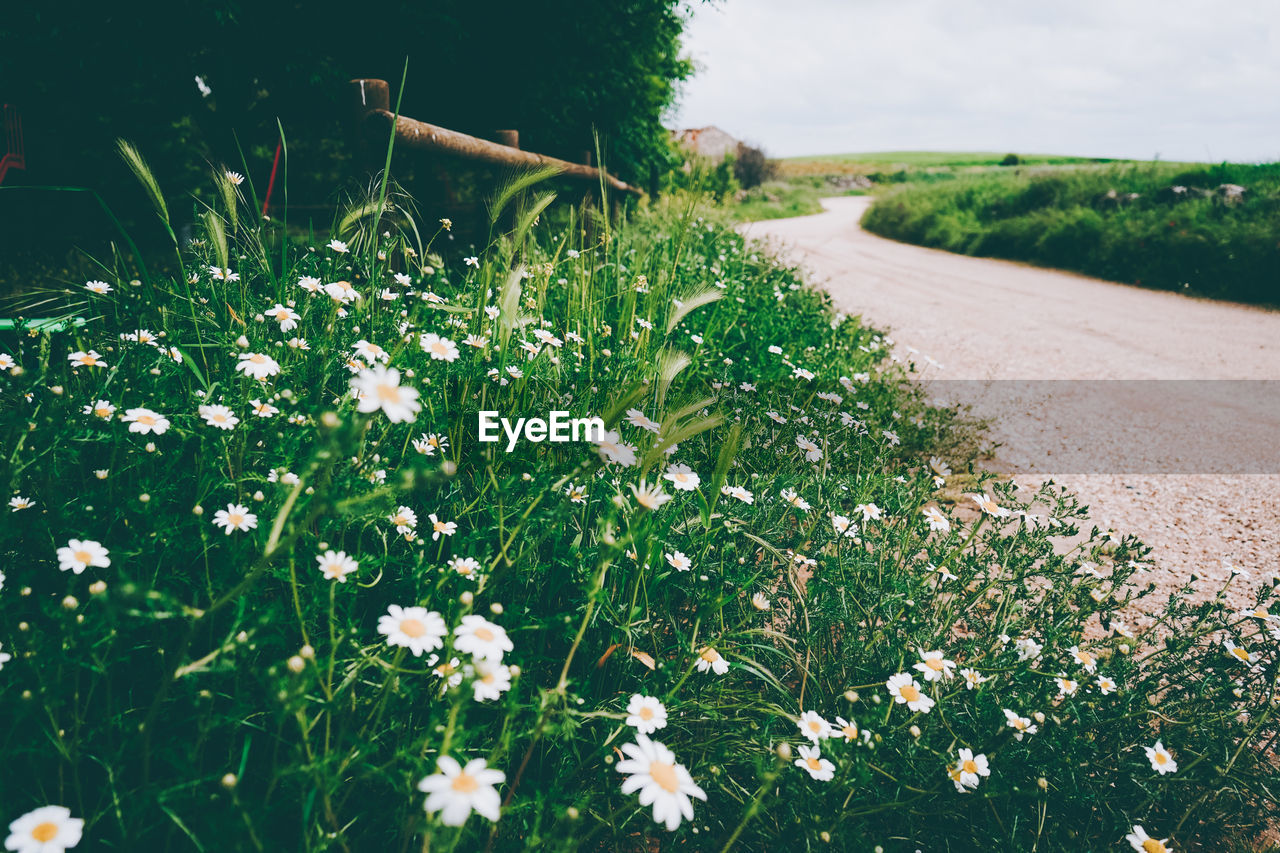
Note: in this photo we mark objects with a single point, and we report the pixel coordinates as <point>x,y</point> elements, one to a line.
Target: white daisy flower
<point>651,497</point>
<point>219,416</point>
<point>678,561</point>
<point>456,791</point>
<point>379,388</point>
<point>934,666</point>
<point>481,638</point>
<point>1161,759</point>
<point>336,565</point>
<point>86,359</point>
<point>489,680</point>
<point>682,478</point>
<point>413,628</point>
<point>612,449</point>
<point>468,567</point>
<point>48,829</point>
<point>646,714</point>
<point>235,517</point>
<point>145,421</point>
<point>1020,725</point>
<point>813,726</point>
<point>285,316</point>
<point>257,365</point>
<point>968,770</point>
<point>812,762</point>
<point>652,770</point>
<point>440,349</point>
<point>905,691</point>
<point>710,660</point>
<point>1143,843</point>
<point>79,554</point>
<point>263,409</point>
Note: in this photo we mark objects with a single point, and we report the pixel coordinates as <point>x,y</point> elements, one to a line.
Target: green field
<point>936,159</point>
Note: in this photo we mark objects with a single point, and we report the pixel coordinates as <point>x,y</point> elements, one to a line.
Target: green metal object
<point>41,324</point>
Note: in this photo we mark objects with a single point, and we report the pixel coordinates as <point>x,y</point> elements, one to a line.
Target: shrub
<point>752,167</point>
<point>1159,226</point>
<point>229,657</point>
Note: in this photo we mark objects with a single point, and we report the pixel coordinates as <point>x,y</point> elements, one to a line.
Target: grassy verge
<point>1211,230</point>
<point>268,588</point>
<point>782,199</point>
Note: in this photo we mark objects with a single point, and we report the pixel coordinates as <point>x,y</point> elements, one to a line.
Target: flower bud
<point>229,781</point>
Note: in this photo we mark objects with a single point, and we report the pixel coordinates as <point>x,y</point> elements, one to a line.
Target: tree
<point>85,72</point>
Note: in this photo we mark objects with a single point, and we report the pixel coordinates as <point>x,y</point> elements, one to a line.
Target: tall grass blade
<point>143,173</point>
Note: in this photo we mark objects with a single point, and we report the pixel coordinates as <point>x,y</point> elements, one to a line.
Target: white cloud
<point>1182,79</point>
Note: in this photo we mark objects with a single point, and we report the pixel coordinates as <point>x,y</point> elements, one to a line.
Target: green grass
<point>768,500</point>
<point>934,159</point>
<point>781,199</point>
<point>1125,223</point>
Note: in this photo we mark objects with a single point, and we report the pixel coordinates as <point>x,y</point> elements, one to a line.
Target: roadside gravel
<point>1191,467</point>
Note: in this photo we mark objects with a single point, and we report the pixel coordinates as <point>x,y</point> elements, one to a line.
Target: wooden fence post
<point>365,96</point>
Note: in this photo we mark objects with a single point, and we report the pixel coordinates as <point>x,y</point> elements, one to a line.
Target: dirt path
<point>1191,466</point>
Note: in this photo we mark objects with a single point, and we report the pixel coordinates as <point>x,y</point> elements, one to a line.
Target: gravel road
<point>1146,404</point>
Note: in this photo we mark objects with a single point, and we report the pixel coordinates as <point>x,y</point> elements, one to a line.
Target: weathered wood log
<point>509,138</point>
<point>374,97</point>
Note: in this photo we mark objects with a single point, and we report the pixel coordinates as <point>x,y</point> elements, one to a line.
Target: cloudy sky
<point>1175,79</point>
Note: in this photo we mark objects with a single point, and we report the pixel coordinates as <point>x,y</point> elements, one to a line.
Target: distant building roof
<point>708,141</point>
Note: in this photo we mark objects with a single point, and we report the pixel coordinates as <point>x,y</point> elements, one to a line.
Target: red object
<point>15,155</point>
<point>271,184</point>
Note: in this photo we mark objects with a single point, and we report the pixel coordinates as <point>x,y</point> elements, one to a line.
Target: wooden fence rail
<point>371,109</point>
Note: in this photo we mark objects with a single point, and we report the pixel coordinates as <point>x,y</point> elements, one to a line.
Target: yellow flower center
<point>101,412</point>
<point>1240,653</point>
<point>412,628</point>
<point>149,420</point>
<point>1162,758</point>
<point>44,831</point>
<point>484,634</point>
<point>850,731</point>
<point>665,775</point>
<point>389,393</point>
<point>710,655</point>
<point>1086,658</point>
<point>909,692</point>
<point>970,767</point>
<point>1019,724</point>
<point>1153,846</point>
<point>645,713</point>
<point>236,519</point>
<point>439,347</point>
<point>813,763</point>
<point>257,358</point>
<point>464,783</point>
<point>815,726</point>
<point>934,664</point>
<point>83,556</point>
